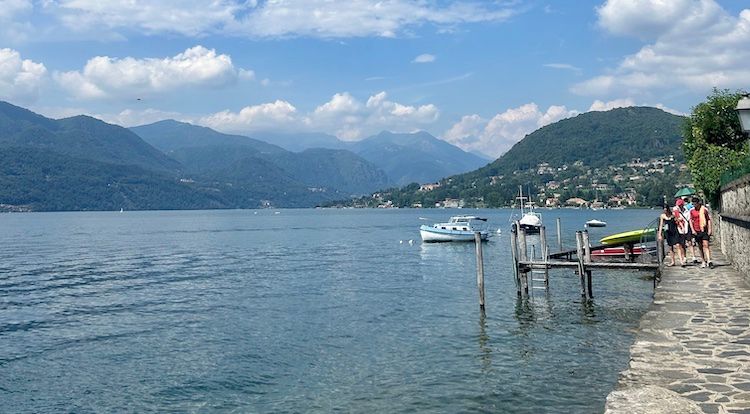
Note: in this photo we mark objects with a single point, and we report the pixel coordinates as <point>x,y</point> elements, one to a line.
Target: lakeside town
<point>634,184</point>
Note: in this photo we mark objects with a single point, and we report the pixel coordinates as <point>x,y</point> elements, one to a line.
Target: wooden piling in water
<point>559,235</point>
<point>524,255</point>
<point>587,260</point>
<point>514,255</point>
<point>545,252</point>
<point>581,257</point>
<point>480,268</point>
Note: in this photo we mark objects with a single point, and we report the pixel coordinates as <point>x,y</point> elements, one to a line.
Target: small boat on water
<point>596,223</point>
<point>458,228</point>
<point>530,221</point>
<point>634,236</point>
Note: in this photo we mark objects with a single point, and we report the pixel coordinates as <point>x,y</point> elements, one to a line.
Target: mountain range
<point>568,158</point>
<point>82,163</point>
<point>405,158</point>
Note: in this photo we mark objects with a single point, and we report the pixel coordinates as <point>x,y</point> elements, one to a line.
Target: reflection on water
<point>303,311</point>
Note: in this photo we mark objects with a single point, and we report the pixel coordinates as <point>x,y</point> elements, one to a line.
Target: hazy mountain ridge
<point>405,157</point>
<point>204,150</point>
<point>583,156</point>
<point>415,157</point>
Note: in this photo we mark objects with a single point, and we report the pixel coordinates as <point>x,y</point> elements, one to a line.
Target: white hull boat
<point>596,223</point>
<point>530,221</point>
<point>458,229</point>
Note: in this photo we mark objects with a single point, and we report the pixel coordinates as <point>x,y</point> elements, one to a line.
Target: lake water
<point>300,311</point>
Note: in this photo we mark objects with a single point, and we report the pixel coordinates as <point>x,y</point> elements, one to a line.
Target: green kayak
<point>634,236</point>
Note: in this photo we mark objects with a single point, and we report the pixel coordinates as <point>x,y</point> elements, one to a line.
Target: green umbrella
<point>684,192</point>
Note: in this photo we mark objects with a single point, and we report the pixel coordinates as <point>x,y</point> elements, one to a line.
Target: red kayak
<point>619,251</point>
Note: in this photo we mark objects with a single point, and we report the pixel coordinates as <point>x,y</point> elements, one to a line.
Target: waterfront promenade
<point>692,349</point>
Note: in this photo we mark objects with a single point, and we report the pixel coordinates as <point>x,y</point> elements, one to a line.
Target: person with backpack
<point>700,223</point>
<point>682,220</point>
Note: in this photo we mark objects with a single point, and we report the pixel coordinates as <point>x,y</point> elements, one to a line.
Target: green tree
<point>714,141</point>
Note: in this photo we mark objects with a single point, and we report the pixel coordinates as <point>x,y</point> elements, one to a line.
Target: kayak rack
<point>526,270</point>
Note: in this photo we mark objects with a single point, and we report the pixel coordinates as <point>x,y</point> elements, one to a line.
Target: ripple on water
<point>305,311</point>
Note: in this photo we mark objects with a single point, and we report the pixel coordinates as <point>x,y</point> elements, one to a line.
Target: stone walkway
<point>692,350</point>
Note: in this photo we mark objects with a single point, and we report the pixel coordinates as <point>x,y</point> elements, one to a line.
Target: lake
<point>299,311</point>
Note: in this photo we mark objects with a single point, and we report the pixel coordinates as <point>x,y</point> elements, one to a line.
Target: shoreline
<point>692,348</point>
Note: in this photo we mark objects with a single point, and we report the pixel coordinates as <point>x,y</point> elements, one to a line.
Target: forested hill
<point>598,139</point>
<point>81,137</point>
<point>586,156</point>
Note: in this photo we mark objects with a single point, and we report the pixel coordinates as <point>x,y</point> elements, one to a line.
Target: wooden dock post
<point>581,257</point>
<point>514,255</point>
<point>587,255</point>
<point>545,253</point>
<point>524,255</point>
<point>480,268</point>
<point>559,235</point>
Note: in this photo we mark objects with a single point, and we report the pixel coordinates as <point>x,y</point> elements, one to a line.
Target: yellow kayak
<point>634,236</point>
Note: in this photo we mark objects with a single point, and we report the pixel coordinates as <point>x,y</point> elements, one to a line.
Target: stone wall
<point>733,231</point>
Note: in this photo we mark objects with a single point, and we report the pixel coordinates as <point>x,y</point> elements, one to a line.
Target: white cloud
<point>340,103</point>
<point>350,119</point>
<point>598,105</point>
<point>694,45</point>
<point>651,19</point>
<point>563,66</point>
<point>276,18</point>
<point>424,58</point>
<point>466,132</point>
<point>343,115</point>
<point>356,18</point>
<point>20,79</point>
<point>279,115</point>
<point>499,134</point>
<point>184,17</point>
<point>13,27</point>
<point>105,77</point>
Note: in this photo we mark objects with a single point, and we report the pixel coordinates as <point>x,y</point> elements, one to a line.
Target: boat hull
<point>529,228</point>
<point>619,252</point>
<point>634,236</point>
<point>433,235</point>
<point>596,223</point>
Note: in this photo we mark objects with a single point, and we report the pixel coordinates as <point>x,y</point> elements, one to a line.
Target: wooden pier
<point>533,273</point>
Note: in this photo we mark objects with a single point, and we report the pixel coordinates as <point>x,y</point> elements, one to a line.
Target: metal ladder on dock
<point>535,281</point>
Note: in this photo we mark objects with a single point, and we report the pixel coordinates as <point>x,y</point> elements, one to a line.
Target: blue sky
<point>479,74</point>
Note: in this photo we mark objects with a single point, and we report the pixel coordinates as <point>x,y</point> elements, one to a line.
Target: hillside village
<point>637,183</point>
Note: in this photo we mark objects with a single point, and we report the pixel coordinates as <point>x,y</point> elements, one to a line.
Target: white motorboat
<point>596,223</point>
<point>530,221</point>
<point>458,228</point>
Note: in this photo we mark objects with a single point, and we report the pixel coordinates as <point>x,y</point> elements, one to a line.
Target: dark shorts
<point>701,236</point>
<point>685,239</point>
<point>673,239</point>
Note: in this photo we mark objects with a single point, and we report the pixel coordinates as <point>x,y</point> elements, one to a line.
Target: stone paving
<point>692,349</point>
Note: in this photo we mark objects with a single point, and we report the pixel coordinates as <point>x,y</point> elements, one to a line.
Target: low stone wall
<point>733,231</point>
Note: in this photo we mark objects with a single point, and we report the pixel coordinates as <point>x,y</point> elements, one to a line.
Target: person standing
<point>685,210</point>
<point>700,221</point>
<point>682,220</point>
<point>668,230</point>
